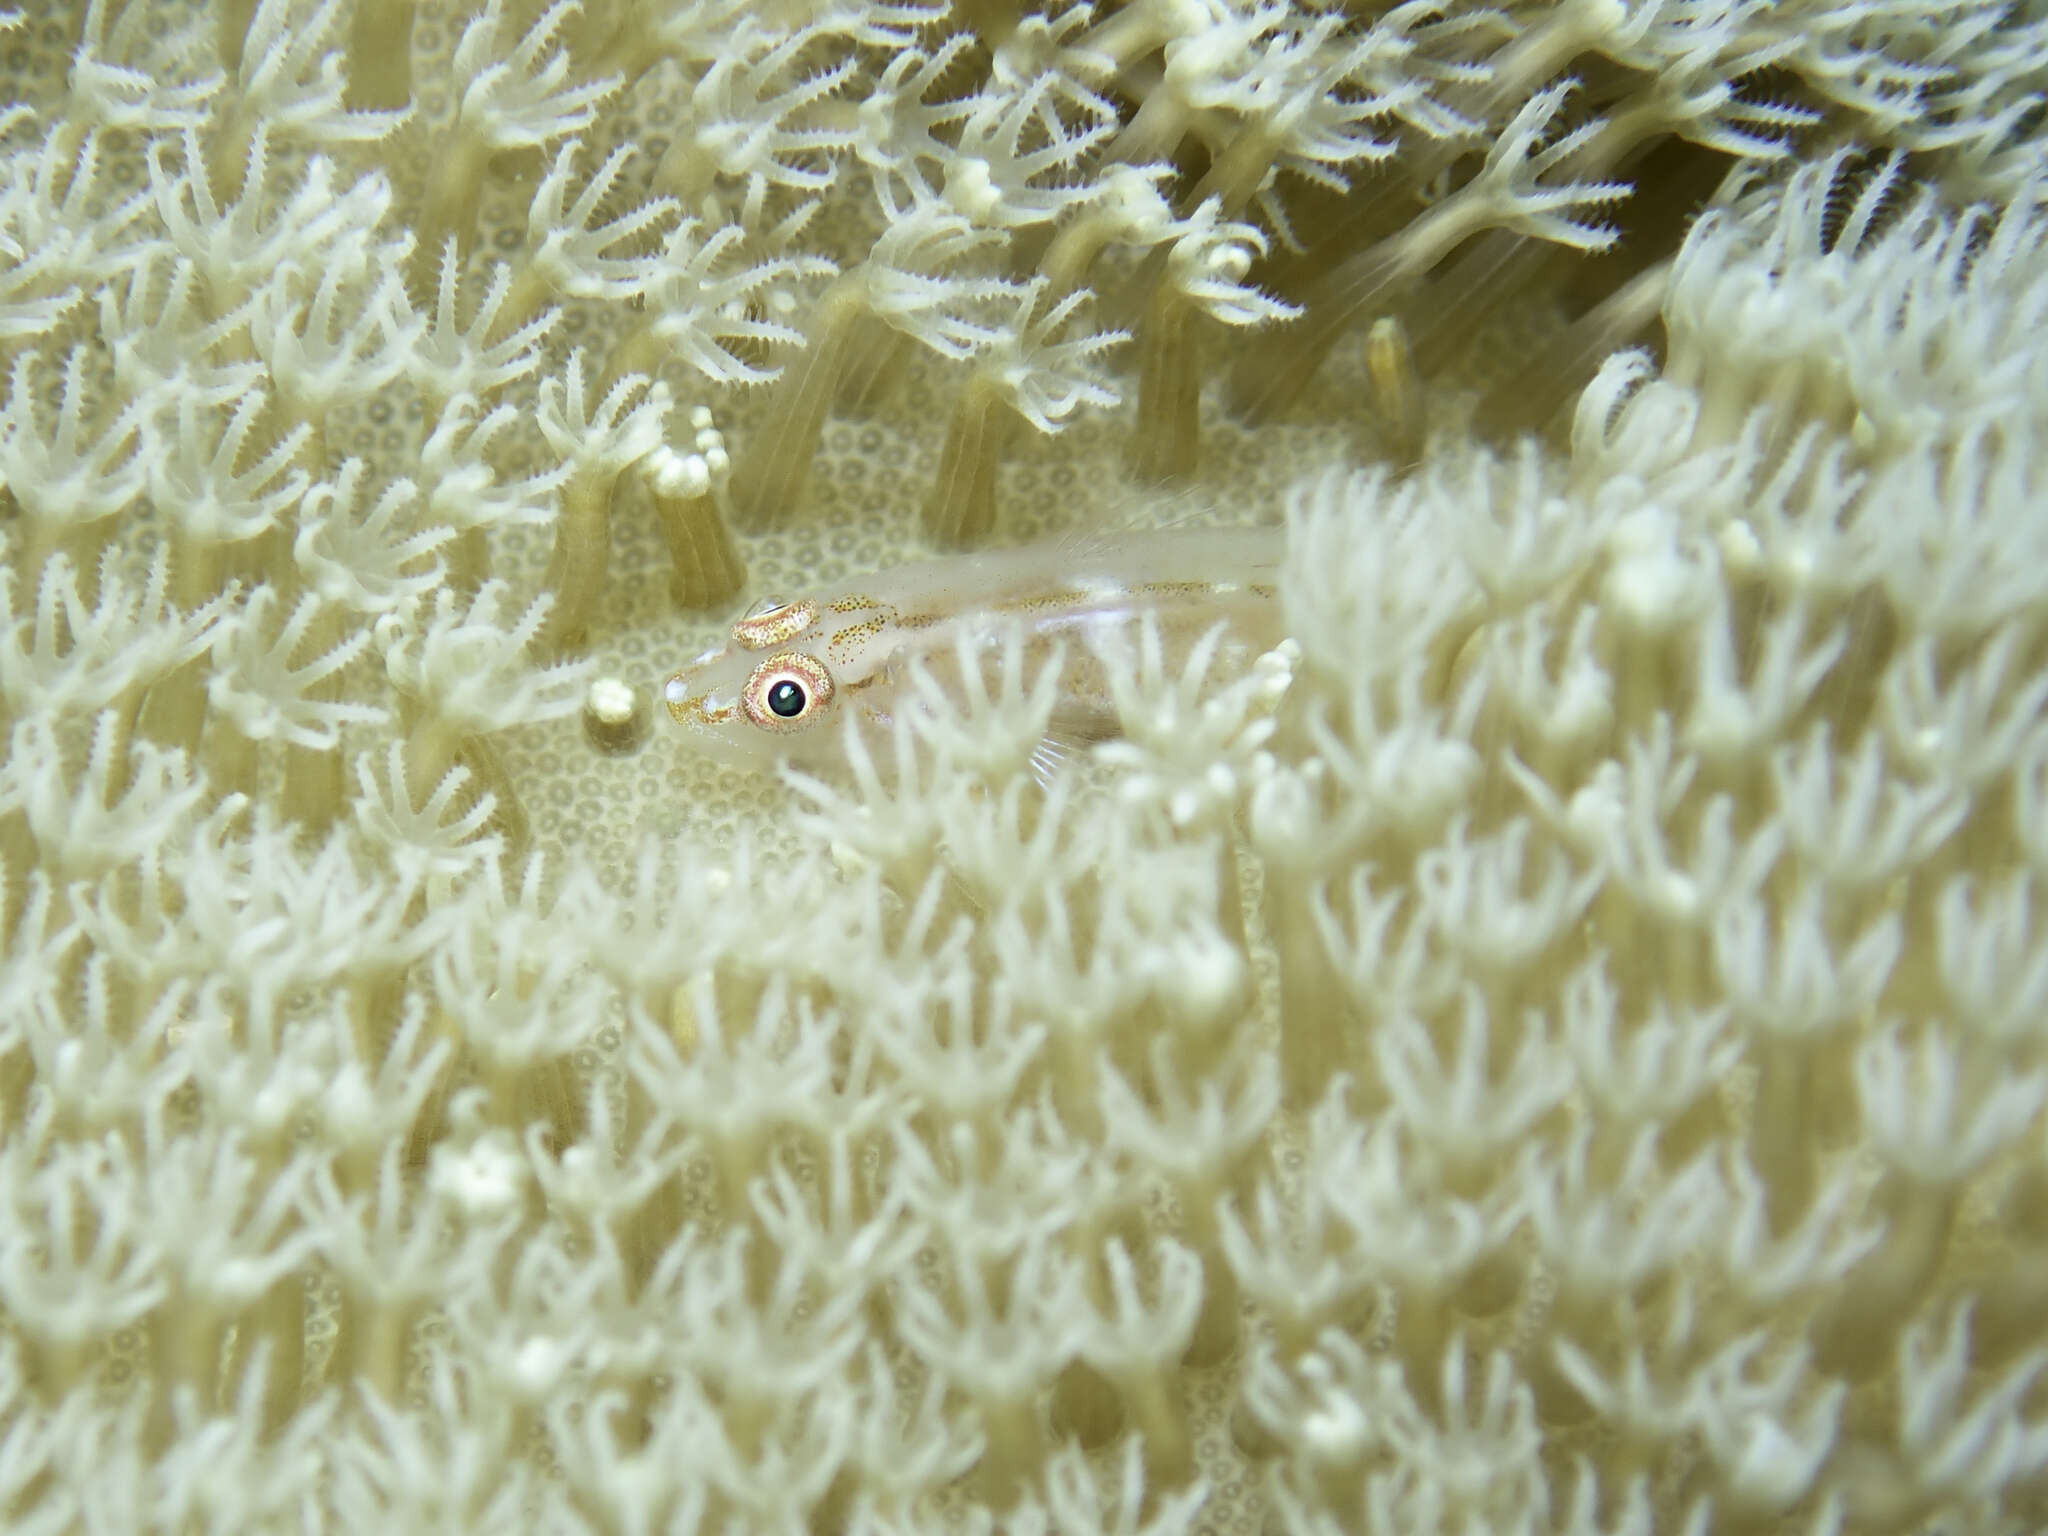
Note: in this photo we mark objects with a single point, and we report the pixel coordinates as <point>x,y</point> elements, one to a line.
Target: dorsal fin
<point>1144,510</point>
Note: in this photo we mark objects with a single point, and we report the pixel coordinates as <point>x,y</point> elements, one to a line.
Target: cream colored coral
<point>1559,1045</point>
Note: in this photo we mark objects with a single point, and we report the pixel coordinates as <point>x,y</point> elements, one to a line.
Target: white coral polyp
<point>471,666</point>
<point>1553,1044</point>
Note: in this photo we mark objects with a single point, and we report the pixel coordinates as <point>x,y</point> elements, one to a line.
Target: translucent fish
<point>792,672</point>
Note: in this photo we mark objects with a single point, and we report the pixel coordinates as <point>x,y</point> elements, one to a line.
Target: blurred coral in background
<point>1565,1051</point>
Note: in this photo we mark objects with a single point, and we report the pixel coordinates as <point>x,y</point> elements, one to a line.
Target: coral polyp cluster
<point>1556,1044</point>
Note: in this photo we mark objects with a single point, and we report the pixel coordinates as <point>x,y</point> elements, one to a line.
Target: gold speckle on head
<point>693,709</point>
<point>844,640</point>
<point>775,625</point>
<point>675,693</point>
<point>1064,597</point>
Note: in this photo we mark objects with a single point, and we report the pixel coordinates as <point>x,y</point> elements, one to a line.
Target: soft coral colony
<point>1558,1046</point>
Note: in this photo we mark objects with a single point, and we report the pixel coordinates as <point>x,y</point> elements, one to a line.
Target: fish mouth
<point>692,706</point>
<point>675,693</point>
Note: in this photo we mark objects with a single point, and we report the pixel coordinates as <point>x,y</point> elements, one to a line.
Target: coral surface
<point>1561,1044</point>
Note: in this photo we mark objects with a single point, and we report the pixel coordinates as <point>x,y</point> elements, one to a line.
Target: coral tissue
<point>1558,1045</point>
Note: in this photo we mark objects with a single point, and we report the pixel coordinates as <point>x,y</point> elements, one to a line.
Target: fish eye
<point>787,692</point>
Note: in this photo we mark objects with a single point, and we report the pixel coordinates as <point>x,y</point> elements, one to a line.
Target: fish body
<point>791,671</point>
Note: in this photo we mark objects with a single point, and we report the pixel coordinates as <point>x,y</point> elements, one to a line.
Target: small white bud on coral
<point>1206,979</point>
<point>1229,261</point>
<point>578,1164</point>
<point>675,475</point>
<point>1594,814</point>
<point>1654,583</point>
<point>279,1100</point>
<point>971,188</point>
<point>1741,554</point>
<point>1275,670</point>
<point>1767,1463</point>
<point>1336,1431</point>
<point>1131,195</point>
<point>1283,813</point>
<point>1796,567</point>
<point>72,1066</point>
<point>1583,710</point>
<point>1136,789</point>
<point>1677,895</point>
<point>1923,748</point>
<point>485,1179</point>
<point>1196,59</point>
<point>537,1368</point>
<point>614,718</point>
<point>345,1105</point>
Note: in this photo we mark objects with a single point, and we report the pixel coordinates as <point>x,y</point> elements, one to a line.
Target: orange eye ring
<point>787,692</point>
<point>771,623</point>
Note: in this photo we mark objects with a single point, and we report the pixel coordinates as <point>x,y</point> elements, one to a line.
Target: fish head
<point>763,697</point>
